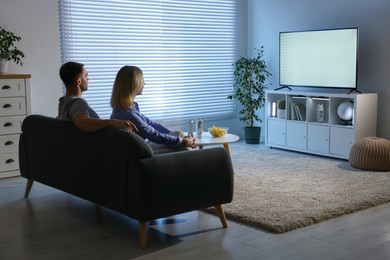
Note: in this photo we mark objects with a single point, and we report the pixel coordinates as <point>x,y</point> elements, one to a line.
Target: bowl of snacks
<point>218,131</point>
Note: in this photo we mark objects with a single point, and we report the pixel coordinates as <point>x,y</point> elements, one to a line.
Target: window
<point>185,49</point>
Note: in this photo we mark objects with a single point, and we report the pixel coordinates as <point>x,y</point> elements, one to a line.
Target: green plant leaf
<point>250,75</point>
<point>8,50</point>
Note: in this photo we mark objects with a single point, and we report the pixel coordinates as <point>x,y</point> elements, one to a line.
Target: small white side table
<point>206,139</point>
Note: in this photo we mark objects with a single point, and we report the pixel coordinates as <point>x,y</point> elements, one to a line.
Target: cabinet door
<point>318,138</point>
<point>341,140</point>
<point>296,135</point>
<point>276,132</point>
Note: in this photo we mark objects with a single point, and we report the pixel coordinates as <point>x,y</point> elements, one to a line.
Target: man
<point>73,108</point>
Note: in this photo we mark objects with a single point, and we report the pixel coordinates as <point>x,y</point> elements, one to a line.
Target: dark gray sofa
<point>118,170</point>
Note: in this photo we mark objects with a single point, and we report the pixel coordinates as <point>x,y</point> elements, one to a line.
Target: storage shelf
<point>312,124</point>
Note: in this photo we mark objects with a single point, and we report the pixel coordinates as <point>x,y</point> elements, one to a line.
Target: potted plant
<point>281,109</point>
<point>249,85</point>
<point>8,50</point>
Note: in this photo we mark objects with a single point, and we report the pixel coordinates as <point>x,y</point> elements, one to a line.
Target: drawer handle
<point>7,106</point>
<point>8,124</point>
<point>10,161</point>
<point>6,87</point>
<point>9,143</point>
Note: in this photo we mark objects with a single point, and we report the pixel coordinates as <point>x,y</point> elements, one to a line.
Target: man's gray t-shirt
<point>71,106</point>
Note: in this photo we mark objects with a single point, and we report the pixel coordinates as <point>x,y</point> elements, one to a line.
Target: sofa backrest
<point>58,154</point>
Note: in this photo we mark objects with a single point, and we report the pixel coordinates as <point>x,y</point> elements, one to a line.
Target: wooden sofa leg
<point>221,215</point>
<point>28,188</point>
<point>142,234</point>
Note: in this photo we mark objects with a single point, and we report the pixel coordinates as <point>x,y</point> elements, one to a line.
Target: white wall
<point>267,18</point>
<point>36,22</point>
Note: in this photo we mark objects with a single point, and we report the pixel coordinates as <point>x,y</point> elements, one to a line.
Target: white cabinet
<point>342,139</point>
<point>296,135</point>
<point>312,123</point>
<point>14,106</point>
<point>276,132</point>
<point>318,140</point>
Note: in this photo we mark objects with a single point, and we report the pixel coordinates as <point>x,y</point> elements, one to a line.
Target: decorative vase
<point>3,66</point>
<point>252,134</point>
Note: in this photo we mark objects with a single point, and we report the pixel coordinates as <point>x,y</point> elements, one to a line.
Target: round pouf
<point>371,153</point>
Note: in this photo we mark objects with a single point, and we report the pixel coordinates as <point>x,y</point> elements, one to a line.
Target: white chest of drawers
<point>14,107</point>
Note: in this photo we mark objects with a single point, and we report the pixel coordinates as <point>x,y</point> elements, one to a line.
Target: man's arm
<point>89,124</point>
<point>188,141</point>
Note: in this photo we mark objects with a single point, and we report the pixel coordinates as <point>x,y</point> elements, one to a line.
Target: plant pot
<point>252,134</point>
<point>281,113</point>
<point>3,66</point>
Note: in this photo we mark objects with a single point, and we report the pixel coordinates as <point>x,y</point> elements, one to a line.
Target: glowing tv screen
<point>321,58</point>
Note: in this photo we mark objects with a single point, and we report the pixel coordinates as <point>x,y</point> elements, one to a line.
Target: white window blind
<point>185,49</point>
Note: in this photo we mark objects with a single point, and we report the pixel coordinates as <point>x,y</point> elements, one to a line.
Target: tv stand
<point>352,90</point>
<point>282,87</point>
<point>301,128</point>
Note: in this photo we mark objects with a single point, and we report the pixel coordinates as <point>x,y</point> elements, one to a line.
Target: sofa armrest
<point>168,184</point>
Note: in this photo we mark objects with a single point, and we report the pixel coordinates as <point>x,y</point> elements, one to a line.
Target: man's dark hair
<point>70,71</point>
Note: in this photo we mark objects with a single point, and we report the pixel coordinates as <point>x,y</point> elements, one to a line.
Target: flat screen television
<point>319,58</point>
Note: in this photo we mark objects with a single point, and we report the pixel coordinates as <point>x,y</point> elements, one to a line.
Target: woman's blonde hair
<point>128,83</point>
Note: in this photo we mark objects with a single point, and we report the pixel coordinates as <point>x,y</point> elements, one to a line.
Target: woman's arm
<point>146,129</point>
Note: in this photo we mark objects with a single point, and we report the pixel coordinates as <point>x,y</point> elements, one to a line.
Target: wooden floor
<point>51,224</point>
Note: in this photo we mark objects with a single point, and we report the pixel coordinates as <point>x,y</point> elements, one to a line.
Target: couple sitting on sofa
<point>129,83</point>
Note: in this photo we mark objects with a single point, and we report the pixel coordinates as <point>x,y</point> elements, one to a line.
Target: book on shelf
<point>301,108</point>
<point>298,111</point>
<point>293,112</point>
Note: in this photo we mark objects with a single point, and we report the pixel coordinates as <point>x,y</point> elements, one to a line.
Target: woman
<point>129,83</point>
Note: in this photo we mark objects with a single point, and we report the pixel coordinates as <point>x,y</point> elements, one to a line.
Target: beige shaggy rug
<point>280,191</point>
